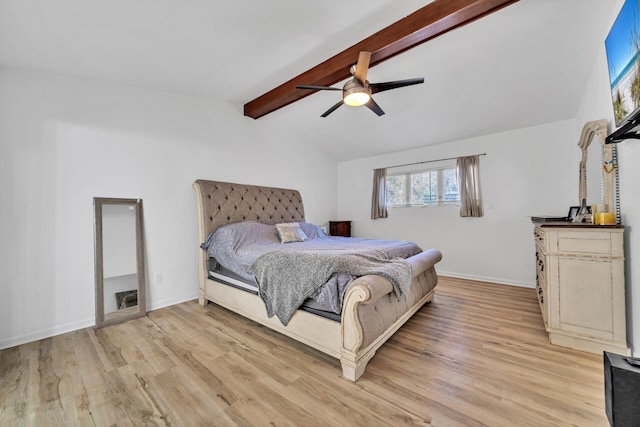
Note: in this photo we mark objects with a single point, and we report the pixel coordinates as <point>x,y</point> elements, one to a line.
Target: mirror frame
<point>128,313</point>
<point>608,180</point>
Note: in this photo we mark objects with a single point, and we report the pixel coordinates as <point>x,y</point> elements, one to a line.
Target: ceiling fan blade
<point>332,109</point>
<point>362,66</point>
<point>381,87</point>
<point>311,87</point>
<point>374,107</point>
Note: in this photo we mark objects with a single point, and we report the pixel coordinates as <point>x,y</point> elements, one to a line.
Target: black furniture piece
<point>622,390</point>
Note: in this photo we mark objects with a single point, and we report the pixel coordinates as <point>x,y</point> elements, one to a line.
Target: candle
<point>605,218</point>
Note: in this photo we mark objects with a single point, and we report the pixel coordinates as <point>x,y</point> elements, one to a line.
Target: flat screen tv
<point>622,47</point>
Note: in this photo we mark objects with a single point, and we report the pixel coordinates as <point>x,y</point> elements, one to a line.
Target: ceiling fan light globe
<point>354,93</point>
<point>356,99</point>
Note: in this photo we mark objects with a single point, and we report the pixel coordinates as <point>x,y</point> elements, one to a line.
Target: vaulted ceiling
<point>525,65</point>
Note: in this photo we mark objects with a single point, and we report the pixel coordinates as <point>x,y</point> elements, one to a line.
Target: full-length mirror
<point>119,260</point>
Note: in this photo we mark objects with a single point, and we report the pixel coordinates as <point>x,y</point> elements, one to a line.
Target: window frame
<point>440,185</point>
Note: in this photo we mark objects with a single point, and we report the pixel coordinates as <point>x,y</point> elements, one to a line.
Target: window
<point>435,186</point>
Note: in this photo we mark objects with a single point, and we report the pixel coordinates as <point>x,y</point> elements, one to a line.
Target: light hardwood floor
<point>478,355</point>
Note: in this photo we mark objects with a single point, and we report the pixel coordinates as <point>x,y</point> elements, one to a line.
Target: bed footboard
<point>372,312</point>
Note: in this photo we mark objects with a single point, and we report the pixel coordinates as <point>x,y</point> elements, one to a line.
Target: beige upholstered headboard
<point>221,203</point>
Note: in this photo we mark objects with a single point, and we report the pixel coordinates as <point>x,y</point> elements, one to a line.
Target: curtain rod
<point>431,161</point>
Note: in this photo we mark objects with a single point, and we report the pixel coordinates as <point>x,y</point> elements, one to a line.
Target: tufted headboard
<point>221,203</point>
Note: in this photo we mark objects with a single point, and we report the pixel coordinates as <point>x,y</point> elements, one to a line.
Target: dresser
<point>580,285</point>
<point>340,228</point>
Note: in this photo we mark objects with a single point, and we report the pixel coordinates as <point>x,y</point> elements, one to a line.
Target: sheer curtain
<point>379,195</point>
<point>468,180</point>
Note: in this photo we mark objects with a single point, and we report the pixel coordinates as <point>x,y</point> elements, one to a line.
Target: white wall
<point>596,104</point>
<point>532,171</point>
<point>64,141</point>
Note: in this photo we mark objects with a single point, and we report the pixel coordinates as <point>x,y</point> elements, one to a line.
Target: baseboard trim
<point>81,324</point>
<point>498,280</point>
<point>46,333</point>
<point>172,301</point>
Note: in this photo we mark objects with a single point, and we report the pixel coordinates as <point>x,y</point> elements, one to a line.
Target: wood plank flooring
<point>477,356</point>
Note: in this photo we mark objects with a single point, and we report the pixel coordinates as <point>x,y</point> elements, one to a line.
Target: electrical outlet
<point>158,278</point>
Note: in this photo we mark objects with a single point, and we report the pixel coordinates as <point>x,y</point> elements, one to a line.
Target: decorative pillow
<point>290,232</point>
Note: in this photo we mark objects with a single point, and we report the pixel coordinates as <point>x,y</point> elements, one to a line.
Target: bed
<point>371,312</point>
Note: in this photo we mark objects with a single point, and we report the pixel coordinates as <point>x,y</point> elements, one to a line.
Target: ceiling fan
<point>358,90</point>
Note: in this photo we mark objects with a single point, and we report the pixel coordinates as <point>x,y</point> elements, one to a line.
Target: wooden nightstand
<point>340,228</point>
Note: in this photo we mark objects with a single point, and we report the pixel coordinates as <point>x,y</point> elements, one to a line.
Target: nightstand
<point>340,228</point>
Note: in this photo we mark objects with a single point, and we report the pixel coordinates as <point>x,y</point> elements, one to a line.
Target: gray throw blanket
<point>331,295</point>
<point>285,279</point>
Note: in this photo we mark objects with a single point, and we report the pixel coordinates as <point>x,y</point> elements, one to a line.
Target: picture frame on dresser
<point>573,212</point>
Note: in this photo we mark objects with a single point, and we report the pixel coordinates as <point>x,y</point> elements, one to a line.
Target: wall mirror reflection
<point>119,260</point>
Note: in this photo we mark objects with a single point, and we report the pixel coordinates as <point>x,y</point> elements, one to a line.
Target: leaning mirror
<point>119,260</point>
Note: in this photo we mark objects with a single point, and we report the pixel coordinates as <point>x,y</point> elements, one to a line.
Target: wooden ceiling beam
<point>432,20</point>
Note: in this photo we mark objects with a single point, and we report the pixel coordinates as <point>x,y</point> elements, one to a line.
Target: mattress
<point>229,278</point>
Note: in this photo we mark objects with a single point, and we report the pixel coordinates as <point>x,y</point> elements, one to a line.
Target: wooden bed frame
<point>371,311</point>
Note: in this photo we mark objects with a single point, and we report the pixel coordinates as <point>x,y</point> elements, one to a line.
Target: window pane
<point>451,193</point>
<point>417,191</point>
<point>431,187</point>
<point>396,190</point>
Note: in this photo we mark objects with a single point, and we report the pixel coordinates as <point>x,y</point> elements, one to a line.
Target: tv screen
<point>622,46</point>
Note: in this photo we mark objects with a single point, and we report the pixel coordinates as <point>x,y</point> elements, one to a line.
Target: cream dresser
<point>580,285</point>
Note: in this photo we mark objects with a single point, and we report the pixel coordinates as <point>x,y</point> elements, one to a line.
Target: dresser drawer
<point>580,242</point>
<point>540,238</point>
<point>541,287</point>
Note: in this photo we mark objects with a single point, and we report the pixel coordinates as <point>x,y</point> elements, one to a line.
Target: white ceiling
<point>524,65</point>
